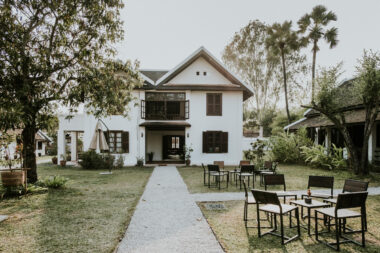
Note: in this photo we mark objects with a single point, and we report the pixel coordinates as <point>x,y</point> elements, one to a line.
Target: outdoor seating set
<point>216,173</point>
<point>337,210</point>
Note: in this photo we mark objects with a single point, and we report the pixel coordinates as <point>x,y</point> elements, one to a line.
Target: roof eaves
<point>294,123</point>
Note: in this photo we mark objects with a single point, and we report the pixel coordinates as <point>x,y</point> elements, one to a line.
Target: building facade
<point>199,103</point>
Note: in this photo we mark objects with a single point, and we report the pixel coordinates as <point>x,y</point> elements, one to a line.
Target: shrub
<point>257,152</point>
<point>140,161</point>
<point>119,162</point>
<point>318,156</point>
<point>286,147</point>
<point>53,182</point>
<point>94,161</point>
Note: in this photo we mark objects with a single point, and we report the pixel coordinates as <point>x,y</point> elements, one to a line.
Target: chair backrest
<point>321,182</point>
<point>204,168</point>
<point>213,167</point>
<point>247,168</point>
<point>351,200</point>
<point>351,185</point>
<point>278,179</point>
<point>264,197</point>
<point>268,165</point>
<point>244,162</point>
<point>220,163</point>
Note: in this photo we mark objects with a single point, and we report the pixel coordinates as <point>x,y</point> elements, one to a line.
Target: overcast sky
<point>160,34</point>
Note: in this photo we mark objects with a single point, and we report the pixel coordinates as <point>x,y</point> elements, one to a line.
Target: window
<point>118,141</point>
<point>205,73</point>
<point>197,73</point>
<point>39,144</point>
<point>214,104</point>
<point>215,142</point>
<point>175,142</point>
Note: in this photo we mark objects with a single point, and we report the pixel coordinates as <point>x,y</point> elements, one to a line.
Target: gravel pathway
<point>167,219</point>
<point>226,196</point>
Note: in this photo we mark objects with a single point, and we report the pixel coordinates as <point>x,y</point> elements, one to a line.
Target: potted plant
<point>140,162</point>
<point>54,160</point>
<point>63,161</point>
<point>150,156</point>
<point>187,152</point>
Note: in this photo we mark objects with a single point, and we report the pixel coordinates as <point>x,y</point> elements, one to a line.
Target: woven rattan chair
<point>268,202</point>
<point>215,172</point>
<point>342,211</point>
<point>278,179</point>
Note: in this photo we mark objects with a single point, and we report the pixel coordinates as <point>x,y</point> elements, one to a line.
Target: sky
<point>161,34</point>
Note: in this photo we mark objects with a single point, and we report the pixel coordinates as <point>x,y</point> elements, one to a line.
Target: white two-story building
<point>199,103</point>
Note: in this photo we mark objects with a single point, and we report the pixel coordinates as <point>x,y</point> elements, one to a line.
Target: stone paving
<point>167,219</point>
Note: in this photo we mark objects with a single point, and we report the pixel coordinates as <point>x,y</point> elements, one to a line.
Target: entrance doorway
<point>172,147</point>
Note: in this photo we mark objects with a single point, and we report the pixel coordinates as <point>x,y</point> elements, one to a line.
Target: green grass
<point>229,229</point>
<point>296,177</point>
<point>89,215</point>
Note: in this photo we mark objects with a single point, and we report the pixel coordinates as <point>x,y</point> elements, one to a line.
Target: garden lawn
<point>229,229</point>
<point>296,177</point>
<point>90,214</point>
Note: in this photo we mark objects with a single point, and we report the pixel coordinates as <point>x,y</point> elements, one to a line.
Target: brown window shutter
<point>125,142</point>
<point>224,142</point>
<point>204,143</point>
<point>218,104</point>
<point>106,135</point>
<point>210,103</point>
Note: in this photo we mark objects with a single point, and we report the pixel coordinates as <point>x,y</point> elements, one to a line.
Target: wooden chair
<point>220,164</point>
<point>237,169</point>
<point>246,171</point>
<point>268,169</point>
<point>320,182</point>
<point>341,211</point>
<point>214,171</point>
<point>351,185</point>
<point>249,200</point>
<point>278,179</point>
<point>268,202</point>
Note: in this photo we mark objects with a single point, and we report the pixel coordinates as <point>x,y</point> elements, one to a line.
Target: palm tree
<point>282,40</point>
<point>314,25</point>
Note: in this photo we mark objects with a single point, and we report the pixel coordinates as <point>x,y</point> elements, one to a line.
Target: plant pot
<point>12,178</point>
<point>187,162</point>
<point>150,157</point>
<point>54,160</point>
<point>63,163</point>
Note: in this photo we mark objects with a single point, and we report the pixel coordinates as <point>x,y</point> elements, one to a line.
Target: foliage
<point>187,150</point>
<point>94,161</point>
<point>283,41</point>
<point>60,52</point>
<point>287,147</point>
<point>54,182</point>
<point>318,156</point>
<point>248,57</point>
<point>257,152</point>
<point>280,121</point>
<point>313,25</point>
<point>267,120</point>
<point>119,162</point>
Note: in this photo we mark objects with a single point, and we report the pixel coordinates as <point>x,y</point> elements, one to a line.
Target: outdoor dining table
<point>313,204</point>
<point>263,173</point>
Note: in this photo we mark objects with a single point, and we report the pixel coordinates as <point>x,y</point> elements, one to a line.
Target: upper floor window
<point>214,104</point>
<point>165,106</point>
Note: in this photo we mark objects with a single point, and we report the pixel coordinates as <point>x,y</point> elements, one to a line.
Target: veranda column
<point>73,146</point>
<point>328,139</point>
<point>61,145</point>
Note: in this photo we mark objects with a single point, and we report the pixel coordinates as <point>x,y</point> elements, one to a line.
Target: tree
<point>314,25</point>
<point>59,52</point>
<point>331,101</point>
<point>283,41</point>
<point>248,57</point>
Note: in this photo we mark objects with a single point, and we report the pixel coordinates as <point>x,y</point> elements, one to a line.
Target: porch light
<point>142,135</point>
<point>187,135</point>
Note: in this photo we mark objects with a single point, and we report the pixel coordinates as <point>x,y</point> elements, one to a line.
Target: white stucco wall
<point>231,121</point>
<point>188,75</point>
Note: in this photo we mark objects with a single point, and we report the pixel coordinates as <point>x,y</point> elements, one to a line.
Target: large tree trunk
<point>29,148</point>
<point>285,85</point>
<point>351,149</point>
<point>313,70</point>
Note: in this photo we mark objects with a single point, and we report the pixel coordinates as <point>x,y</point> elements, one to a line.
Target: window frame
<point>211,104</point>
<point>124,141</point>
<point>215,142</point>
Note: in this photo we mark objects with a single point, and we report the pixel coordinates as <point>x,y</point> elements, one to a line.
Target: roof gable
<point>201,58</point>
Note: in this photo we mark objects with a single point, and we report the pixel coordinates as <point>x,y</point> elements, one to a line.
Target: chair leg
<point>245,213</point>
<point>363,220</point>
<point>258,220</point>
<point>316,225</point>
<point>282,229</point>
<point>298,222</point>
<point>337,221</point>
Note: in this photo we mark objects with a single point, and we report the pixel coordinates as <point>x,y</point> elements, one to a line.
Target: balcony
<point>164,110</point>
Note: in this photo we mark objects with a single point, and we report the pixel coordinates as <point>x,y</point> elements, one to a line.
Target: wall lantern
<point>142,135</point>
<point>188,135</point>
